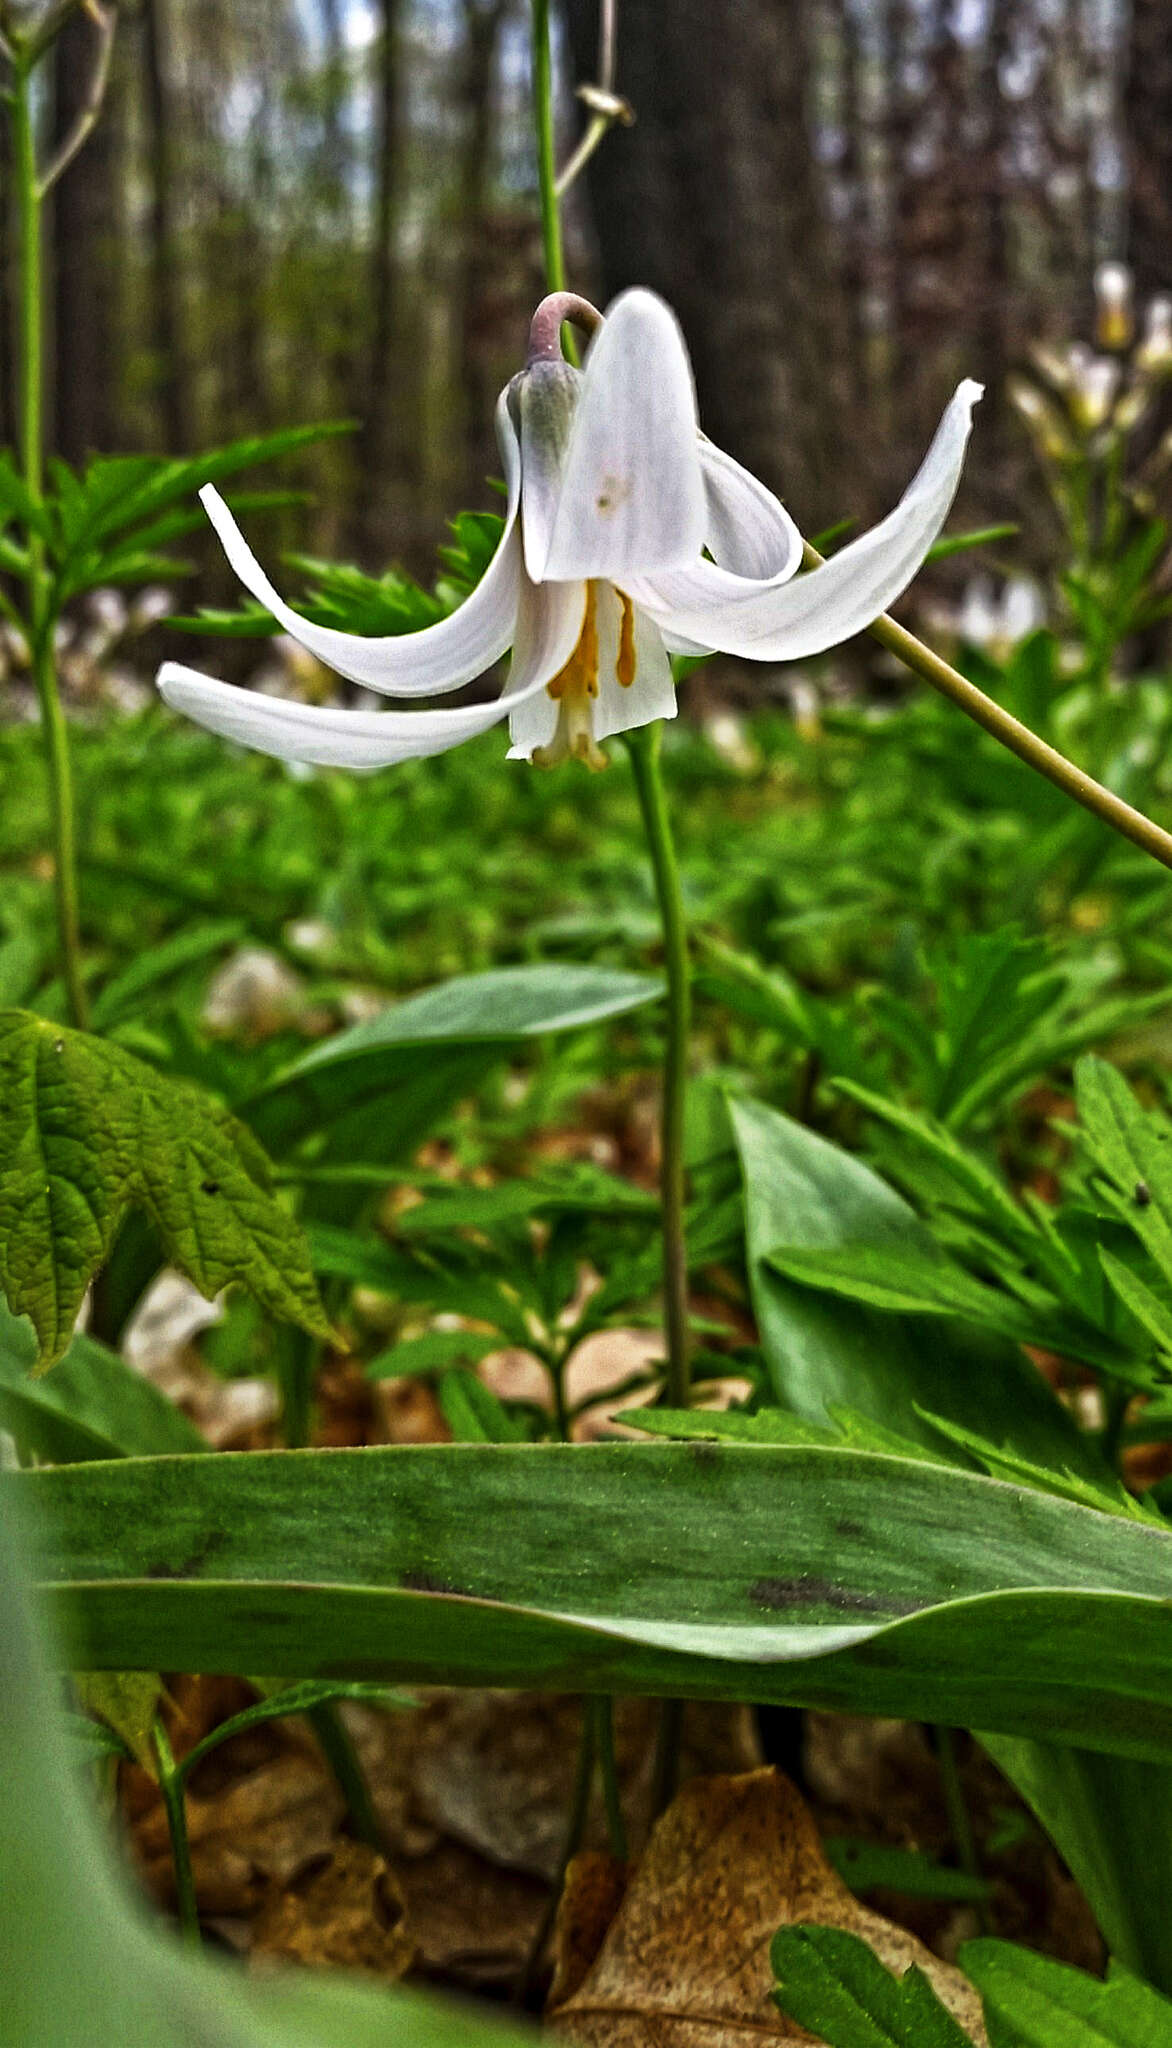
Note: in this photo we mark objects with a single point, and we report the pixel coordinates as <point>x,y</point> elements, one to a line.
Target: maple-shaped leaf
<point>832,1982</point>
<point>88,1131</point>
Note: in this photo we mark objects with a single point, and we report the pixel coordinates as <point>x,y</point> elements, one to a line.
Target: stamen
<point>625,665</point>
<point>572,689</point>
<point>580,674</point>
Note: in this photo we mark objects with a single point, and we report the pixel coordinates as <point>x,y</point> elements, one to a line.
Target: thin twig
<point>1028,746</point>
<point>605,104</point>
<point>105,22</point>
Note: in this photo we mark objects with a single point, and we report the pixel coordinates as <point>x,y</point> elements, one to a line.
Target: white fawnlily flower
<point>613,497</point>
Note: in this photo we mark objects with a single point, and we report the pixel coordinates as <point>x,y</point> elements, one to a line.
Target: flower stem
<point>643,745</point>
<point>600,1707</point>
<point>1028,746</point>
<point>40,620</point>
<point>547,171</point>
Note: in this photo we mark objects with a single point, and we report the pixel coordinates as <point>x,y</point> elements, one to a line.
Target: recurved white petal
<point>749,530</point>
<point>549,623</point>
<point>784,620</point>
<point>324,736</point>
<point>441,657</point>
<point>632,495</point>
<point>620,707</point>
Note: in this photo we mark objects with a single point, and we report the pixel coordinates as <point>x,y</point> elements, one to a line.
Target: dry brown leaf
<point>346,1910</point>
<point>685,1961</point>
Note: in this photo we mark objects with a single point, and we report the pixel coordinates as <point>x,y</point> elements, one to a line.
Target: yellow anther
<point>625,665</point>
<point>579,677</point>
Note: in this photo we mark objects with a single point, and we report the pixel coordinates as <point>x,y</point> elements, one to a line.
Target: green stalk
<point>40,621</point>
<point>643,746</point>
<point>1028,746</point>
<point>171,1787</point>
<point>551,224</point>
<point>600,1707</point>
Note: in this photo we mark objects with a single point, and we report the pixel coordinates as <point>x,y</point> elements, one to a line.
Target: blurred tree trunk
<point>478,261</point>
<point>382,451</point>
<point>1148,125</point>
<point>714,199</point>
<point>168,335</point>
<point>86,218</point>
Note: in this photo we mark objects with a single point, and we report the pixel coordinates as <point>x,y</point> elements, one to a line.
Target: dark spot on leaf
<point>427,1582</point>
<point>847,1526</point>
<point>1143,1194</point>
<point>210,1187</point>
<point>814,1592</point>
<point>704,1452</point>
<point>193,1565</point>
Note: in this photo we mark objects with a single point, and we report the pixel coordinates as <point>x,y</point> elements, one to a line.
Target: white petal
<point>327,737</point>
<point>549,623</point>
<point>441,657</point>
<point>621,707</point>
<point>783,620</point>
<point>545,398</point>
<point>749,530</point>
<point>632,496</point>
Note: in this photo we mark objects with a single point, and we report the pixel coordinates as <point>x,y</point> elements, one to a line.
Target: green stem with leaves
<point>171,1789</point>
<point>40,615</point>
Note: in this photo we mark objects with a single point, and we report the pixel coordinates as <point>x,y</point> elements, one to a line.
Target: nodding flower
<point>628,537</point>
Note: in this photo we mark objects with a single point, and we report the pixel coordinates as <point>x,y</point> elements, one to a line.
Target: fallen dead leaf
<point>684,1963</point>
<point>264,1829</point>
<point>346,1911</point>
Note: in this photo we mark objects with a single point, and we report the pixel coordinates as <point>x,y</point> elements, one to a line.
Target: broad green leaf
<point>820,1576</point>
<point>408,1044</point>
<point>832,1983</point>
<point>1033,2002</point>
<point>92,1406</point>
<point>82,1960</point>
<point>87,1132</point>
<point>1110,1818</point>
<point>806,1193</point>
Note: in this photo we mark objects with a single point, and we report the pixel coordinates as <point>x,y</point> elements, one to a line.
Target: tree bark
<point>86,214</point>
<point>382,451</point>
<point>1148,124</point>
<point>713,198</point>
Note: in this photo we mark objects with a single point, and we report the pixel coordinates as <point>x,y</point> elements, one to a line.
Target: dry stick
<point>1035,752</point>
<point>105,23</point>
<point>605,104</point>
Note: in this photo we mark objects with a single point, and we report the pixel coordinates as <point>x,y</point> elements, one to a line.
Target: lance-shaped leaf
<point>807,1574</point>
<point>87,1132</point>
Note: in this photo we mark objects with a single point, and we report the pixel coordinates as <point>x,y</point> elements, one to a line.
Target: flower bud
<point>1154,354</point>
<point>1114,305</point>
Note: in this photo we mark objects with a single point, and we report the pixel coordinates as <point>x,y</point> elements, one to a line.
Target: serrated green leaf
<point>1133,1151</point>
<point>434,1351</point>
<point>832,1983</point>
<point>87,1132</point>
<point>1135,1294</point>
<point>1033,2002</point>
